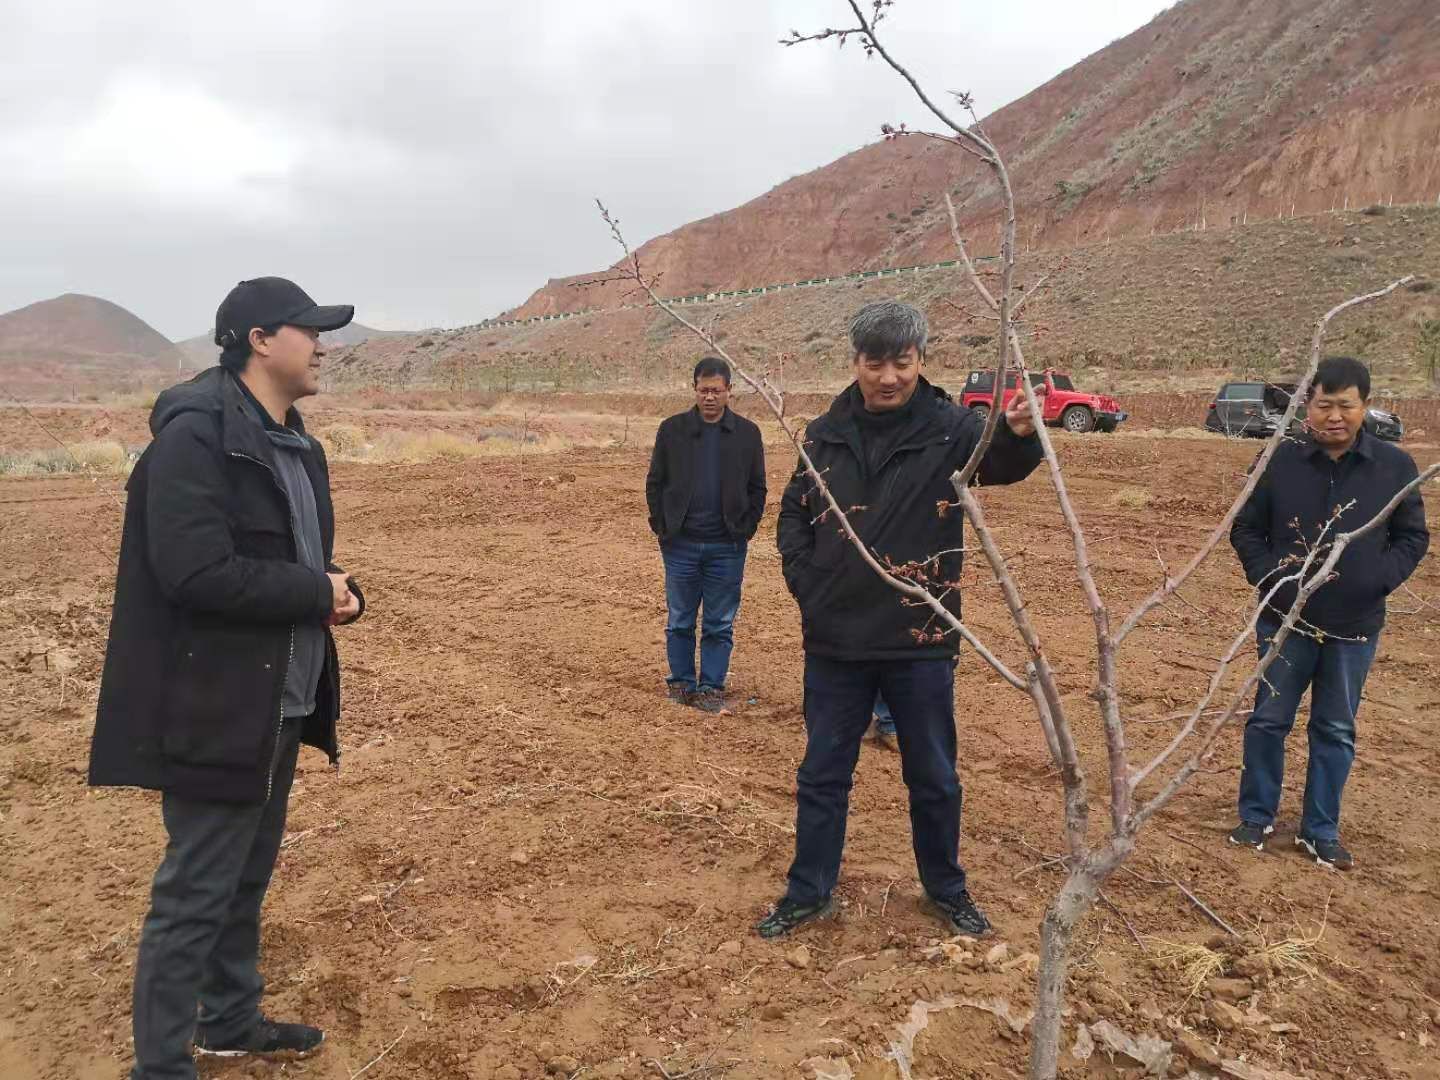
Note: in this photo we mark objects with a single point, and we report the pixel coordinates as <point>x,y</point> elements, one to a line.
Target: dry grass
<point>1196,963</point>
<point>342,439</point>
<point>1297,953</point>
<point>103,458</point>
<point>707,809</point>
<point>1132,498</point>
<point>348,442</point>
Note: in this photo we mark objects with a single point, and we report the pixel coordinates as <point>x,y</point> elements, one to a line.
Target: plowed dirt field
<point>531,863</point>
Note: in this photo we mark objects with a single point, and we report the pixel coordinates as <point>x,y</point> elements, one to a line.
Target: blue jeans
<point>884,721</point>
<point>697,572</point>
<point>839,700</point>
<point>1334,673</point>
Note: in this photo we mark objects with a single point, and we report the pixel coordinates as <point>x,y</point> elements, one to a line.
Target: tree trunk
<point>1075,898</point>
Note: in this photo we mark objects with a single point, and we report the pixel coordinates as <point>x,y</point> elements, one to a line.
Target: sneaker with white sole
<point>266,1038</point>
<point>1326,852</point>
<point>1248,834</point>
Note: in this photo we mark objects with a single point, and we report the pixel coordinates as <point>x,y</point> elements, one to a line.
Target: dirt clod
<point>1230,989</point>
<point>1197,1049</point>
<point>1224,1015</point>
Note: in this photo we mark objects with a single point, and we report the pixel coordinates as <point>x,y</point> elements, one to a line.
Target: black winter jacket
<point>207,596</point>
<point>671,479</point>
<point>847,612</point>
<point>1303,486</point>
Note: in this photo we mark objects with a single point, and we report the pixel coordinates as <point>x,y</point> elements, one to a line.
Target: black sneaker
<point>1326,853</point>
<point>677,693</point>
<point>963,915</point>
<point>267,1037</point>
<point>788,914</point>
<point>1248,834</point>
<point>709,700</point>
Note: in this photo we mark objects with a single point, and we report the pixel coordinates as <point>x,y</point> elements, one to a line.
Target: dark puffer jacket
<point>847,611</point>
<point>207,596</point>
<point>1301,492</point>
<point>670,483</point>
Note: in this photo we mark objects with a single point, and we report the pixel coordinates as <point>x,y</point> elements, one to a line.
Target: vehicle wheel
<point>982,411</point>
<point>1077,418</point>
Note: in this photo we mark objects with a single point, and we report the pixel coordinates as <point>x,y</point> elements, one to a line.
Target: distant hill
<point>1165,311</point>
<point>1215,113</point>
<point>200,351</point>
<point>75,344</point>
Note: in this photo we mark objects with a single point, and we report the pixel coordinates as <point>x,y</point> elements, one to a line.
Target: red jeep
<point>1064,405</point>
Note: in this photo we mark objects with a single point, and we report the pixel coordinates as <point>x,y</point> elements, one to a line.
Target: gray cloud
<point>430,163</point>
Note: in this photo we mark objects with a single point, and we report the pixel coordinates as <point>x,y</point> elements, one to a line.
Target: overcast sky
<point>433,162</point>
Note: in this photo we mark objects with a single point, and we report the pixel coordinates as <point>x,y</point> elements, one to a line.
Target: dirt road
<point>531,860</point>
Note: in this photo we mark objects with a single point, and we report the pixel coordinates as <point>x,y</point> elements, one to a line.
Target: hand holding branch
<point>1019,415</point>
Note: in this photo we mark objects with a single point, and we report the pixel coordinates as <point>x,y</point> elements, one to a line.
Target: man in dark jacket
<point>887,449</point>
<point>220,664</point>
<point>706,493</point>
<point>1337,475</point>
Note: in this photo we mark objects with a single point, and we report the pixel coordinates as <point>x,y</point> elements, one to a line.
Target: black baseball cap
<point>273,301</point>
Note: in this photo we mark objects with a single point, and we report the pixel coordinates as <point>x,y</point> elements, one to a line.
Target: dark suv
<point>1254,409</point>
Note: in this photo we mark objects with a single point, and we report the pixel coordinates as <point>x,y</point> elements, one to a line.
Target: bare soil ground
<point>530,860</point>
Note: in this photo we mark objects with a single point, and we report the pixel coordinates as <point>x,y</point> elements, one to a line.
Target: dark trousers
<point>200,944</point>
<point>839,701</point>
<point>1334,672</point>
<point>696,572</point>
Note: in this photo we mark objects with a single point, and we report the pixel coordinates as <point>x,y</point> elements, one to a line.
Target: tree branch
<point>1043,690</point>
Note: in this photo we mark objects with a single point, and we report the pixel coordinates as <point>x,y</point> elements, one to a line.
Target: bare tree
<point>1089,860</point>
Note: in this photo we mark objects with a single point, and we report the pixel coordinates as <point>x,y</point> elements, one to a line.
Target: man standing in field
<point>887,447</point>
<point>706,493</point>
<point>1338,475</point>
<point>220,663</point>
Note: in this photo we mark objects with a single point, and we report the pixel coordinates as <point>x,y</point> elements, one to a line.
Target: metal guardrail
<point>889,271</point>
<point>728,294</point>
<point>893,271</point>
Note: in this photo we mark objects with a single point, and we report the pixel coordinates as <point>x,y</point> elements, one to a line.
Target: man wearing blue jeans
<point>888,444</point>
<point>884,727</point>
<point>706,493</point>
<point>1336,474</point>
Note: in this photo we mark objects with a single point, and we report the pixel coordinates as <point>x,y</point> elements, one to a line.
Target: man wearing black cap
<point>220,663</point>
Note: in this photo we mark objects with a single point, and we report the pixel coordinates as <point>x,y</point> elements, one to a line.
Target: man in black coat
<point>706,494</point>
<point>886,448</point>
<point>1335,475</point>
<point>220,663</point>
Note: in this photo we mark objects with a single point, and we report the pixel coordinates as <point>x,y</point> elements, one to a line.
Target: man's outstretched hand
<point>1017,412</point>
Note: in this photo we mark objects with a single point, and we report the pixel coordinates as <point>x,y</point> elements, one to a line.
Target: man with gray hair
<point>888,444</point>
